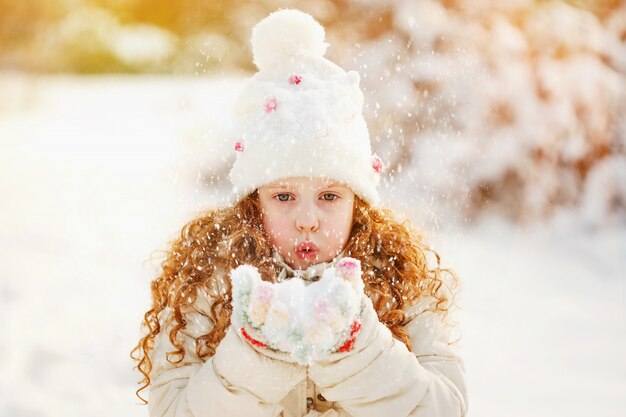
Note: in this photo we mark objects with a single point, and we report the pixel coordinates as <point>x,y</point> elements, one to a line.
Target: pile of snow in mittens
<point>307,321</point>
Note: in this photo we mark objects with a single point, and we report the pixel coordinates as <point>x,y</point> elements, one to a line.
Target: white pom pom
<point>285,33</point>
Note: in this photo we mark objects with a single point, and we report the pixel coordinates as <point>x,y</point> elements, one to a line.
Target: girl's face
<point>307,219</point>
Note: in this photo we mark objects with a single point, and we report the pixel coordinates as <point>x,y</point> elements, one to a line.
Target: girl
<point>304,197</point>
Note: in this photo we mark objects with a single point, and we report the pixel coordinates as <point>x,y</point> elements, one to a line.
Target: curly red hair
<point>392,254</point>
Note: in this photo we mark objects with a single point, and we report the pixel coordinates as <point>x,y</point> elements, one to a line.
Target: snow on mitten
<point>307,321</point>
<point>334,308</point>
<point>350,270</point>
<point>266,314</point>
<point>244,279</point>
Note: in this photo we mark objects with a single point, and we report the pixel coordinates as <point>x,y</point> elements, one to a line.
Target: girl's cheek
<point>274,231</point>
<point>269,224</point>
<point>277,229</point>
<point>333,233</point>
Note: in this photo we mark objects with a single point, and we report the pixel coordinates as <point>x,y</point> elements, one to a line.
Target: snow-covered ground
<point>98,173</point>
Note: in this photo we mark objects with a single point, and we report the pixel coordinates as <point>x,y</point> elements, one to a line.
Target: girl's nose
<point>307,221</point>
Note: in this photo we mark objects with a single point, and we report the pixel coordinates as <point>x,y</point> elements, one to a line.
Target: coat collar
<point>311,274</point>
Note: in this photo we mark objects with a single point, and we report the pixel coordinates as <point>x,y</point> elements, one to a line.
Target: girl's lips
<point>307,250</point>
<point>307,255</point>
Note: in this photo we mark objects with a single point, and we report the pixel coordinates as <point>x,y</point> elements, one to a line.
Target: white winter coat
<point>379,377</point>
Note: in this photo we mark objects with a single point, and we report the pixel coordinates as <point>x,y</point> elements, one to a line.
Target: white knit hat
<point>301,114</point>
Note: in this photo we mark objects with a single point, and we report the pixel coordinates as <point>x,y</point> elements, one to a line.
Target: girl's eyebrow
<point>333,184</point>
<point>279,186</point>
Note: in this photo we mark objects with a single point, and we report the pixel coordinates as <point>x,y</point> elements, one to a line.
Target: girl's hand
<point>349,269</point>
<point>363,347</point>
<point>255,310</point>
<point>240,364</point>
<point>303,321</point>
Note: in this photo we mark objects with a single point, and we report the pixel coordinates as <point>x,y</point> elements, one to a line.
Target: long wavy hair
<point>392,254</point>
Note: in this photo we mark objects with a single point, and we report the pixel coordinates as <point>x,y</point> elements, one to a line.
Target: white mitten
<point>307,321</point>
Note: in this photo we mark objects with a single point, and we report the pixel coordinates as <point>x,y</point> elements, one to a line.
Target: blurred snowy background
<point>502,123</point>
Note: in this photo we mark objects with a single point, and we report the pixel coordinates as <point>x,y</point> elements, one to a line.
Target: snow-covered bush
<point>505,107</point>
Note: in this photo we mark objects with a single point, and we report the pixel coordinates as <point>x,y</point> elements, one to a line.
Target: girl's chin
<point>299,263</point>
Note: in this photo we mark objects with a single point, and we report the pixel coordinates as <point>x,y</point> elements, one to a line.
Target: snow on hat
<point>300,114</point>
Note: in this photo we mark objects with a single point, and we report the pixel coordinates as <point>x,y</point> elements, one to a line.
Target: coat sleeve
<point>236,381</point>
<point>380,376</point>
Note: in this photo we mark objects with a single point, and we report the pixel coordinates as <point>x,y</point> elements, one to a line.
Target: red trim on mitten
<point>251,340</point>
<point>356,326</point>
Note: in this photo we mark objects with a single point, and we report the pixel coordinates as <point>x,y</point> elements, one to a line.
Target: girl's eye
<point>329,197</point>
<point>283,197</point>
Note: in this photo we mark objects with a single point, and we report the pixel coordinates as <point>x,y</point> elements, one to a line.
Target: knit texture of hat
<point>301,114</point>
